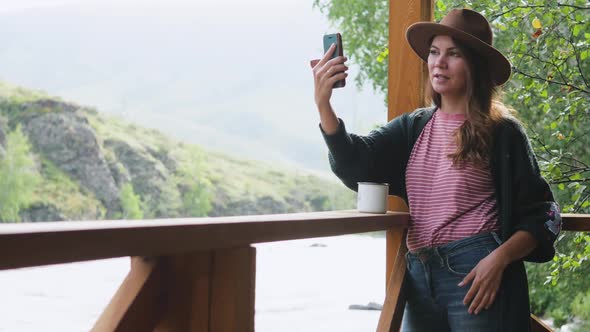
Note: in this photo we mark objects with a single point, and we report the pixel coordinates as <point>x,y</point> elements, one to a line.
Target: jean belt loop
<point>439,257</point>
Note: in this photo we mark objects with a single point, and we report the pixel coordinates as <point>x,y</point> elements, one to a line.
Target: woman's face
<point>447,67</point>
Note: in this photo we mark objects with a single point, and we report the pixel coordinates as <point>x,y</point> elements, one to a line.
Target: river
<point>304,285</point>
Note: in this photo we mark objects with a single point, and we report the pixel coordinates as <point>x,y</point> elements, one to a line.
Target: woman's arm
<point>486,276</point>
<point>326,72</point>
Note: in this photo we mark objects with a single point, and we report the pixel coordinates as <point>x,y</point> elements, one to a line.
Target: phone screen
<point>334,38</point>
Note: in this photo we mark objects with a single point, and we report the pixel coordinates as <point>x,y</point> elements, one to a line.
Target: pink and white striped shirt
<point>447,203</point>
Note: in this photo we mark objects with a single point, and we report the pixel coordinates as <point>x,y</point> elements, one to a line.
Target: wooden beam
<point>406,73</point>
<point>135,306</point>
<point>395,301</point>
<point>23,245</point>
<point>395,238</point>
<point>232,290</point>
<point>538,326</point>
<point>186,293</point>
<point>576,222</point>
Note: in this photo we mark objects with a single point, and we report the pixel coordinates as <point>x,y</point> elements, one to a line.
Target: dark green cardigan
<point>525,201</point>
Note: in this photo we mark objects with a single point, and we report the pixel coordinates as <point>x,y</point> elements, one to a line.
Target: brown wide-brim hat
<point>469,28</point>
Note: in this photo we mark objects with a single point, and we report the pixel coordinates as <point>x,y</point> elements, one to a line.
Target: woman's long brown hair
<point>484,111</point>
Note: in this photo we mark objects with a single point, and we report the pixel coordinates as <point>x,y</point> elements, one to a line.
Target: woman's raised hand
<point>326,72</point>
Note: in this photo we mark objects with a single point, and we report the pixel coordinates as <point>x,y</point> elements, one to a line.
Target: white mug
<point>372,197</point>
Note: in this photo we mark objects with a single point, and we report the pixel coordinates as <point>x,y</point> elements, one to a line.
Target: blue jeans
<point>435,302</point>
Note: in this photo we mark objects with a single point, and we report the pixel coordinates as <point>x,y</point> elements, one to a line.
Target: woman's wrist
<point>516,247</point>
<point>324,107</point>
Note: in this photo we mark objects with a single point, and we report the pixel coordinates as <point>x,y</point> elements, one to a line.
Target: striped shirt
<point>447,203</point>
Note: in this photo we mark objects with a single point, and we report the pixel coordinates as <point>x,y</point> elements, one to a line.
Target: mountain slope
<point>85,158</point>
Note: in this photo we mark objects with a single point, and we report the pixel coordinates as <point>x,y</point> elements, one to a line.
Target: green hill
<point>91,166</point>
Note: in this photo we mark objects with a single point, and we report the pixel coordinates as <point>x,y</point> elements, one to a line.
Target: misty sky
<point>187,67</point>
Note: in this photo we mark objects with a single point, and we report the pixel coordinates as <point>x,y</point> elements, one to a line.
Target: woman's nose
<point>440,61</point>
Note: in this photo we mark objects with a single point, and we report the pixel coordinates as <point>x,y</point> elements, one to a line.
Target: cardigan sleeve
<point>376,157</point>
<point>535,209</point>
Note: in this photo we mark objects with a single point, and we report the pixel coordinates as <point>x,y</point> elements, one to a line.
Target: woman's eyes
<point>454,54</point>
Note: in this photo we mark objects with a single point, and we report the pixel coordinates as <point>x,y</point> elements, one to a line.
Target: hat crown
<point>470,22</point>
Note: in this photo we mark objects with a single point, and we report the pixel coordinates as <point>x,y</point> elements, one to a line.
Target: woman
<point>478,204</point>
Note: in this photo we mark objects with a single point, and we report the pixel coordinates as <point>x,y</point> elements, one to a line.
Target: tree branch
<point>493,17</point>
<point>569,181</point>
<point>551,63</point>
<point>578,60</point>
<point>516,70</point>
<point>579,207</point>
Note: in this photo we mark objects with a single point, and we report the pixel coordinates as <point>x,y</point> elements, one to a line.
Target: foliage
<point>57,189</point>
<point>18,176</point>
<point>581,308</point>
<point>548,44</point>
<point>130,203</point>
<point>364,26</point>
<point>196,201</point>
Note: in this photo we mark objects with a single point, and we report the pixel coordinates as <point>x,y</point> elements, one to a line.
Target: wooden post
<point>210,291</point>
<point>394,304</point>
<point>186,289</point>
<point>232,290</point>
<point>407,72</point>
<point>407,75</point>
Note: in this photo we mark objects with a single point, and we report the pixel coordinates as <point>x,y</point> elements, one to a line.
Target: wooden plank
<point>393,243</point>
<point>37,244</point>
<point>394,203</point>
<point>397,204</point>
<point>186,295</point>
<point>538,326</point>
<point>406,73</point>
<point>232,290</point>
<point>394,304</point>
<point>135,306</point>
<point>576,222</point>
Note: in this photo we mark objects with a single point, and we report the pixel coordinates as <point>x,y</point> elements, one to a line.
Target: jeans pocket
<point>461,262</point>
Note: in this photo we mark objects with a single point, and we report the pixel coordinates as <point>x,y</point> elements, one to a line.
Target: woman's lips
<point>440,78</point>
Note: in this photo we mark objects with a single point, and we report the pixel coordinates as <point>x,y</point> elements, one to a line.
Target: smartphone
<point>335,38</point>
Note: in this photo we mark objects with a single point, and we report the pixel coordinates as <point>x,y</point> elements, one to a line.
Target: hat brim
<point>419,36</point>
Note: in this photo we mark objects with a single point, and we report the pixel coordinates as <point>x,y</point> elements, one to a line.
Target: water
<point>299,287</point>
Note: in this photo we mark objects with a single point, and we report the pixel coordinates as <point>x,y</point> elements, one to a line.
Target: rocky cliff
<point>85,158</point>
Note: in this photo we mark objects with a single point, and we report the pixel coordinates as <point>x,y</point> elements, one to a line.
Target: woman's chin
<point>442,90</point>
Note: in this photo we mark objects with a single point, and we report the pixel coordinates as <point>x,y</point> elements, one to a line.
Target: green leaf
<point>576,177</point>
<point>577,29</point>
<point>583,55</point>
<point>561,186</point>
<point>553,125</point>
<point>440,5</point>
<point>574,185</point>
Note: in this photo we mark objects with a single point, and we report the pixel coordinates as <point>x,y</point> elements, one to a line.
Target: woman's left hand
<point>486,277</point>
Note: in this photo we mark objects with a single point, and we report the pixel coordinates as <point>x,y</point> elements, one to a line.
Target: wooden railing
<point>186,274</point>
<point>199,274</point>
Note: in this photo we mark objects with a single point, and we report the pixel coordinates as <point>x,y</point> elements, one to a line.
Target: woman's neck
<point>453,105</point>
